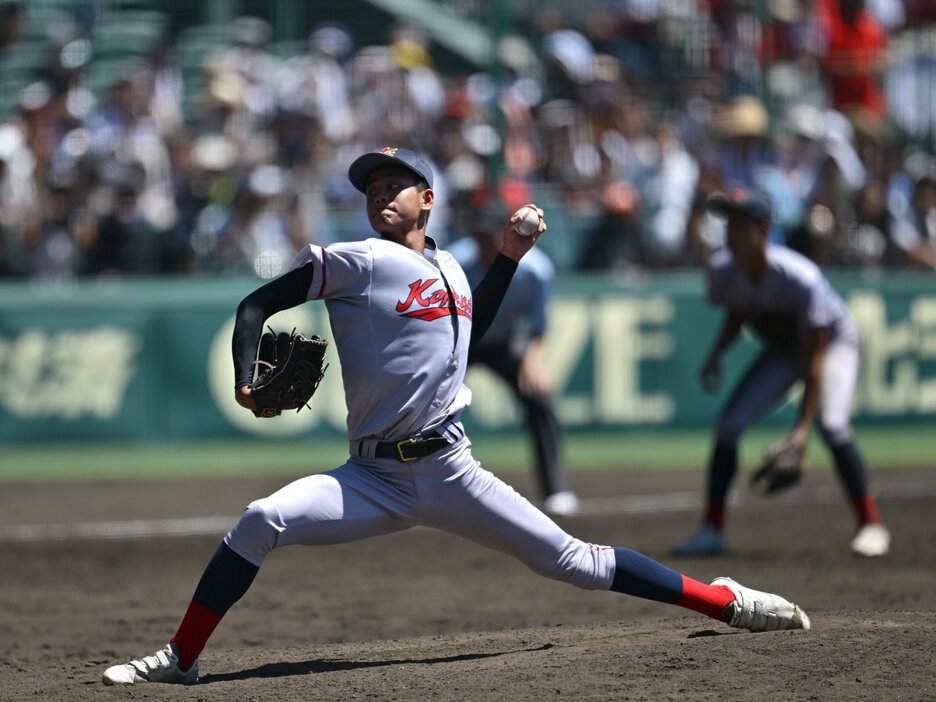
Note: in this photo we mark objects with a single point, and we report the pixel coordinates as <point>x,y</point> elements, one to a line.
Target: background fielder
<point>513,348</point>
<point>807,334</point>
<point>403,318</point>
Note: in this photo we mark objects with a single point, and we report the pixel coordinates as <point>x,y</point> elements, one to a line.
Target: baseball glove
<point>782,467</point>
<point>290,368</point>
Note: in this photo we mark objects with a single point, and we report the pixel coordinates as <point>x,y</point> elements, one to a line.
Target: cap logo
<point>390,151</point>
<point>739,193</point>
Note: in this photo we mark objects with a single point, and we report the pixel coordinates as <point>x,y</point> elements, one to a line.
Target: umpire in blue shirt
<point>513,346</point>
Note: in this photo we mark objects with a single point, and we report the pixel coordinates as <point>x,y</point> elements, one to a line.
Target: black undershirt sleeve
<point>289,290</point>
<point>488,295</point>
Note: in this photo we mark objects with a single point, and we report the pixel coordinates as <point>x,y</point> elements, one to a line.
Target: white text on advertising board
<point>67,374</point>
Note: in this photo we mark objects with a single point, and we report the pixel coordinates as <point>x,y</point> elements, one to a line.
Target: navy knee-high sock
<point>225,580</point>
<point>854,476</point>
<point>638,575</point>
<point>722,468</point>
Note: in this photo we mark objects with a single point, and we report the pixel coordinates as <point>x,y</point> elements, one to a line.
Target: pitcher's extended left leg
<point>475,504</point>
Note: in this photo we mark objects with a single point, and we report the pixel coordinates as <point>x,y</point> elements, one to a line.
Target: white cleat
<point>706,541</point>
<point>872,540</point>
<point>561,504</point>
<point>162,667</point>
<point>760,611</point>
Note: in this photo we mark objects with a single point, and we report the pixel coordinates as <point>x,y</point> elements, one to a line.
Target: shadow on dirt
<point>282,670</point>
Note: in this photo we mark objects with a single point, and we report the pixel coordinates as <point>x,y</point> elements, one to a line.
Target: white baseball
<point>529,221</point>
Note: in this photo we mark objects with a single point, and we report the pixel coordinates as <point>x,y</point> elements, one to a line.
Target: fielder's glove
<point>782,467</point>
<point>290,368</point>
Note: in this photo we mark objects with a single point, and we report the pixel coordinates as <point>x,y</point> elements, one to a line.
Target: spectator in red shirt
<point>854,56</point>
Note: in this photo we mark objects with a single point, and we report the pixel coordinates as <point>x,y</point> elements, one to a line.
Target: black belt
<point>410,449</point>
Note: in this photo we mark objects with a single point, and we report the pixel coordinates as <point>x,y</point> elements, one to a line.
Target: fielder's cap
<point>387,156</point>
<point>741,200</point>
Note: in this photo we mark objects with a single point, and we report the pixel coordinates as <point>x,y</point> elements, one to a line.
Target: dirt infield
<point>425,616</point>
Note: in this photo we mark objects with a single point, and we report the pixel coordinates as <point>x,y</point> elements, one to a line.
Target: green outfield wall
<point>149,360</point>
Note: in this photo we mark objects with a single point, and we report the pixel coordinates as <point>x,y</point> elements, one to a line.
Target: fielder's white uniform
<point>401,321</point>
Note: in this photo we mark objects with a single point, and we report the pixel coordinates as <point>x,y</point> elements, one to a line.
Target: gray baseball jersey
<point>402,352</point>
<point>792,297</point>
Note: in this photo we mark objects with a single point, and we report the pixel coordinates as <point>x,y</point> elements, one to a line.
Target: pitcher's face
<point>395,201</point>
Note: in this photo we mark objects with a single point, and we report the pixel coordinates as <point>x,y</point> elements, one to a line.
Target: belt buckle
<point>399,447</point>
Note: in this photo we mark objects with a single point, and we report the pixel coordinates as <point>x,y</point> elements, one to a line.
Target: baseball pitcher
<point>403,319</point>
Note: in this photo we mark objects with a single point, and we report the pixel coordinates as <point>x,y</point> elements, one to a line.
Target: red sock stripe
<point>866,510</point>
<point>705,599</point>
<point>715,515</point>
<point>197,626</point>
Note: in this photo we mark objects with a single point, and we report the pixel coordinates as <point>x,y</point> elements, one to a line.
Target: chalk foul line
<point>589,506</point>
<point>132,529</point>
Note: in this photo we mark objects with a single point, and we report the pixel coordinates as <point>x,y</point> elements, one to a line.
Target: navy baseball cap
<point>387,156</point>
<point>741,200</point>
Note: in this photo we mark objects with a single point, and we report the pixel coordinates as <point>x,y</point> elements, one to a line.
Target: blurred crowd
<point>223,151</point>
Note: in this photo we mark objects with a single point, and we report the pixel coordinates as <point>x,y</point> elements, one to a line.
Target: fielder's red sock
<point>866,510</point>
<point>197,626</point>
<point>709,600</point>
<point>715,515</point>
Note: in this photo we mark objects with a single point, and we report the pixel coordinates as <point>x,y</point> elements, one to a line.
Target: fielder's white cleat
<point>162,667</point>
<point>760,611</point>
<point>706,541</point>
<point>561,504</point>
<point>872,540</point>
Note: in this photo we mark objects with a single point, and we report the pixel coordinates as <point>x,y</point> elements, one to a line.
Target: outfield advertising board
<point>150,360</point>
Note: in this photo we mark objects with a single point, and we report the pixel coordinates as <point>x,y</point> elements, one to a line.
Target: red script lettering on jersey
<point>426,305</point>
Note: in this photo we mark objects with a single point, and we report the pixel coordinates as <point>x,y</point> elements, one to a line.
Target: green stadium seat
<point>39,20</point>
<point>23,60</point>
<point>159,21</point>
<point>290,48</point>
<point>102,74</point>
